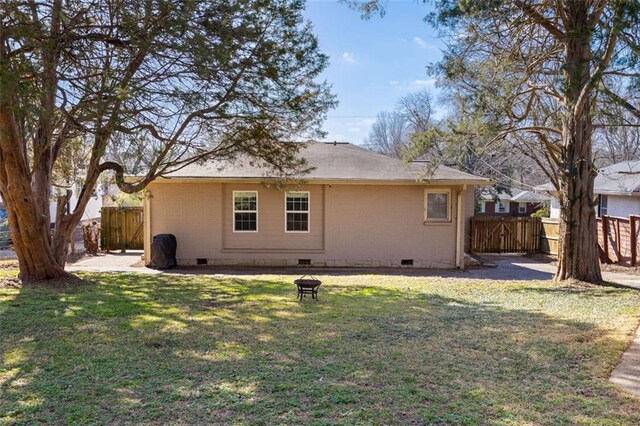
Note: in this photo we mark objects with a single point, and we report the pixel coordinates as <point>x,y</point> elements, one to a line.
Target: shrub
<point>543,212</point>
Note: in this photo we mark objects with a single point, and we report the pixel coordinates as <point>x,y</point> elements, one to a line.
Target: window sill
<point>272,250</point>
<point>436,222</point>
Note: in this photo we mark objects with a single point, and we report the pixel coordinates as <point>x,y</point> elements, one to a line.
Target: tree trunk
<point>28,216</point>
<point>578,245</point>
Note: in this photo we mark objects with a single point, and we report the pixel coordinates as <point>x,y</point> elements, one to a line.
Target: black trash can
<point>163,251</point>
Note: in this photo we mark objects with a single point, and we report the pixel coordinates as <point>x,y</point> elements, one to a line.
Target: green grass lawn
<point>139,349</point>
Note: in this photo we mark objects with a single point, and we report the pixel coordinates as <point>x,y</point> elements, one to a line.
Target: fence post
<point>605,236</point>
<point>633,238</point>
<point>123,230</point>
<point>618,243</point>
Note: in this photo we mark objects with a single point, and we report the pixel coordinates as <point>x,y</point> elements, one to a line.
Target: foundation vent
<point>304,261</point>
<point>201,261</point>
<point>406,262</point>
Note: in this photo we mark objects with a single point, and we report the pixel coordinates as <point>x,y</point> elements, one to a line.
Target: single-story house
<point>617,188</point>
<point>355,208</point>
<point>514,202</point>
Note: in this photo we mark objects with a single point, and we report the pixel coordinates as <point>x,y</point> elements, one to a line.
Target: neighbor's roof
<point>618,179</point>
<point>502,196</point>
<point>331,161</point>
<point>530,197</point>
<point>517,195</point>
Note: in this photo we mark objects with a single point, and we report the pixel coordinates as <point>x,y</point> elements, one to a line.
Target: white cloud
<point>431,82</point>
<point>349,57</point>
<point>339,137</point>
<point>353,129</point>
<point>411,85</point>
<point>420,42</point>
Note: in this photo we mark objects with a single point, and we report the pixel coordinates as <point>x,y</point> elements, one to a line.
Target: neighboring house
<point>356,208</point>
<point>617,188</point>
<point>518,203</point>
<point>92,210</point>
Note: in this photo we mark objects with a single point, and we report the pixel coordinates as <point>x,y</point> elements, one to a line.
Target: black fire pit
<point>308,285</point>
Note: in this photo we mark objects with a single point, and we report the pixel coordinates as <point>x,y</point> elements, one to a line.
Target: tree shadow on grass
<point>175,349</point>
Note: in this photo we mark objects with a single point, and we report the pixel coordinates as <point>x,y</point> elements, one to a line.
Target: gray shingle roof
<point>503,196</point>
<point>339,161</point>
<point>517,194</point>
<point>530,197</point>
<point>620,178</point>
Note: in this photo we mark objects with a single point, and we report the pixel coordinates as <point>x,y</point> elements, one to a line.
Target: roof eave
<point>475,182</point>
<point>620,193</point>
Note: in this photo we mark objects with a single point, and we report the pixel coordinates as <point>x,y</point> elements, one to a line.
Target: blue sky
<point>372,63</point>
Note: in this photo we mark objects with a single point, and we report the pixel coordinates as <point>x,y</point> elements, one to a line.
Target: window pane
<point>245,201</point>
<point>297,221</point>
<point>437,206</point>
<point>297,201</point>
<point>602,211</point>
<point>246,221</point>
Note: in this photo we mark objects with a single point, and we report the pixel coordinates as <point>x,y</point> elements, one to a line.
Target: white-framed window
<point>502,207</point>
<point>522,207</point>
<point>245,211</point>
<point>603,205</point>
<point>483,206</point>
<point>296,211</point>
<point>437,205</point>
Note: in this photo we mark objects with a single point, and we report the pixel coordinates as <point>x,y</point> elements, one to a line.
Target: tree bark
<point>25,191</point>
<point>578,245</point>
<point>28,222</point>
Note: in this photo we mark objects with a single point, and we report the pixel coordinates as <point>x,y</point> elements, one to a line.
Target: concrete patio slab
<point>507,268</point>
<point>112,262</point>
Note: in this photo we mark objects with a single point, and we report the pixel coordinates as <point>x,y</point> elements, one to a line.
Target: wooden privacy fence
<point>121,228</point>
<point>505,234</point>
<point>618,239</point>
<point>549,236</point>
<point>619,233</point>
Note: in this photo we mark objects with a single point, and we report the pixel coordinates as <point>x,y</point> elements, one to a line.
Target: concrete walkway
<point>7,254</point>
<point>627,372</point>
<point>512,267</point>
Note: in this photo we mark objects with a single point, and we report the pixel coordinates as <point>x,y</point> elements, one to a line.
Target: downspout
<point>459,229</point>
<point>146,215</point>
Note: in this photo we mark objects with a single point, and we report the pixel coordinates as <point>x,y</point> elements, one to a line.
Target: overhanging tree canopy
<point>543,73</point>
<point>143,87</point>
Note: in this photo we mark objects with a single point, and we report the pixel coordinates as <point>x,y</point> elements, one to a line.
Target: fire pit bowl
<point>308,285</point>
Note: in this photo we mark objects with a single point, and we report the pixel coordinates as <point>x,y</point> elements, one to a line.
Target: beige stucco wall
<point>271,233</point>
<point>190,211</point>
<point>380,225</point>
<point>350,225</point>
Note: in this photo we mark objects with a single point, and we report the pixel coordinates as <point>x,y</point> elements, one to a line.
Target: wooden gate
<point>505,234</point>
<point>121,228</point>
